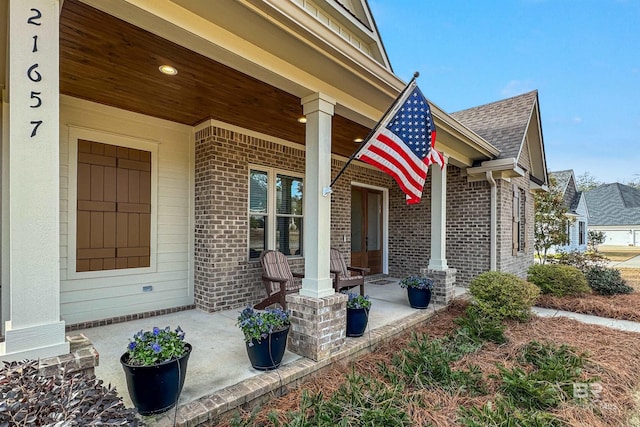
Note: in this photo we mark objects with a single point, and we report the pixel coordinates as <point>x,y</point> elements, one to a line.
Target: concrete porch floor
<point>219,375</point>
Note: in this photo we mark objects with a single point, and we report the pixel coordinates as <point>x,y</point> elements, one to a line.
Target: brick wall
<point>223,276</point>
<point>508,262</point>
<point>468,226</point>
<point>225,279</point>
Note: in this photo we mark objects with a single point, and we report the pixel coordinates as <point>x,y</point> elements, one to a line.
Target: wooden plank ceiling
<point>106,60</point>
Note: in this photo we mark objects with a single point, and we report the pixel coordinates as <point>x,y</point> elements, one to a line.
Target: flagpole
<point>364,141</point>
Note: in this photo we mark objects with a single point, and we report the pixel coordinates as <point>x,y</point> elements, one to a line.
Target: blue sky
<point>583,57</point>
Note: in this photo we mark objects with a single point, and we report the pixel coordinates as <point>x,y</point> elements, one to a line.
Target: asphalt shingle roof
<point>613,204</point>
<point>502,123</point>
<point>562,178</point>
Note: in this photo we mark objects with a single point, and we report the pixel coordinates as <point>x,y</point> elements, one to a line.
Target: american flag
<point>403,144</point>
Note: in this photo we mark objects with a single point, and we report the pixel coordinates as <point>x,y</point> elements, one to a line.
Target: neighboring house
<point>127,192</point>
<point>615,210</point>
<point>576,205</point>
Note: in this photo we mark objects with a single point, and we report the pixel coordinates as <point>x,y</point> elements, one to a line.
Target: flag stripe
<point>403,143</point>
<point>413,195</point>
<point>396,155</point>
<point>411,161</point>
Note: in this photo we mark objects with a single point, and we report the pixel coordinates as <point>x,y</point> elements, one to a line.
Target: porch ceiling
<point>109,61</point>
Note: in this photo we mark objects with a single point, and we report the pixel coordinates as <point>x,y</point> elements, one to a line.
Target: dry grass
<point>619,256</point>
<point>612,358</point>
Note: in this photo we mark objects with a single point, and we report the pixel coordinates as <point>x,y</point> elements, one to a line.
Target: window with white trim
<point>582,230</point>
<point>275,212</point>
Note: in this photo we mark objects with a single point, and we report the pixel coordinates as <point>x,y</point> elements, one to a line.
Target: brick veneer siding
<point>517,264</point>
<point>223,276</point>
<point>225,279</point>
<point>468,226</point>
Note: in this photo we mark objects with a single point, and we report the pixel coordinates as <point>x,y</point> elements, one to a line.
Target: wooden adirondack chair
<point>276,277</point>
<point>343,278</point>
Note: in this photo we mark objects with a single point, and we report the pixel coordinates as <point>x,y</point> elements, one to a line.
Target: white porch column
<point>318,109</point>
<point>34,328</point>
<point>438,260</point>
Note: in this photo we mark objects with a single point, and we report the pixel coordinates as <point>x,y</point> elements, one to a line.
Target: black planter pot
<point>155,389</point>
<point>419,298</point>
<point>357,321</point>
<point>267,354</point>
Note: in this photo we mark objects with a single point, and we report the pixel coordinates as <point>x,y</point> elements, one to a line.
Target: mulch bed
<point>613,357</point>
<point>621,307</point>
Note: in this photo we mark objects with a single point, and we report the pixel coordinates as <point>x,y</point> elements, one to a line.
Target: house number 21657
<point>33,72</point>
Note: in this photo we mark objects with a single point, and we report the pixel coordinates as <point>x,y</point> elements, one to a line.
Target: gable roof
<point>565,182</point>
<point>508,125</point>
<point>503,123</point>
<point>562,179</point>
<point>613,204</point>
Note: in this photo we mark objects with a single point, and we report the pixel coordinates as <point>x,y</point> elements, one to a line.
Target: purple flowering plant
<point>417,282</point>
<point>148,348</point>
<point>258,324</point>
<point>358,301</point>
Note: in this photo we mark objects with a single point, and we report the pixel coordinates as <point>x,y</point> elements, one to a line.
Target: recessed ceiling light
<point>168,70</point>
<point>302,120</point>
<point>358,140</point>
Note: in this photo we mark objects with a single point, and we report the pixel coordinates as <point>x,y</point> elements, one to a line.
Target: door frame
<point>385,221</point>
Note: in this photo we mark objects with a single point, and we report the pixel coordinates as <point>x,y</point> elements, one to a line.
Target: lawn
<point>619,253</point>
<point>373,385</point>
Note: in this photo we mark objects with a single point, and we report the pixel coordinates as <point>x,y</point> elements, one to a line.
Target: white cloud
<point>516,87</point>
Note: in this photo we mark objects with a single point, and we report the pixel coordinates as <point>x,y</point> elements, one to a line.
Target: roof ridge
<point>499,101</point>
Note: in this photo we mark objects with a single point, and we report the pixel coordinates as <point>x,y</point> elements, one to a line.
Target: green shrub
<point>607,281</point>
<point>558,280</point>
<point>476,326</point>
<point>427,364</point>
<point>548,381</point>
<point>527,391</point>
<point>503,295</point>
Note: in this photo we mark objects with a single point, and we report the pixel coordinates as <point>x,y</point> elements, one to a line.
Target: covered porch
<point>219,376</point>
<point>191,140</point>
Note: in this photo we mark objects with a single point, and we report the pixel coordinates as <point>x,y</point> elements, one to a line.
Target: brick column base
<point>444,280</point>
<point>318,325</point>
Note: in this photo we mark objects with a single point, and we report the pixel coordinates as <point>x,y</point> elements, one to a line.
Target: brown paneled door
<point>366,228</point>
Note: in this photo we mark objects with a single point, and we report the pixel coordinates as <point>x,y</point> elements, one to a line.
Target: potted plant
<point>155,365</point>
<point>265,334</point>
<point>418,290</point>
<point>357,314</point>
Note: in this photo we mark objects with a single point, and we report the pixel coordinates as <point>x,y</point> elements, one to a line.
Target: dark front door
<point>366,229</point>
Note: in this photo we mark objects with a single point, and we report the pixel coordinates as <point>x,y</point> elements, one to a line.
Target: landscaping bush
<point>427,364</point>
<point>607,281</point>
<point>548,381</point>
<point>558,280</point>
<point>580,260</point>
<point>476,326</point>
<point>503,295</point>
<point>29,398</point>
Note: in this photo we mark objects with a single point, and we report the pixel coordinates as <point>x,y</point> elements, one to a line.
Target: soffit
<point>109,61</point>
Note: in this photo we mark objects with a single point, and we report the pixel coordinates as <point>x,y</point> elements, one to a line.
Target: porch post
<point>438,259</point>
<point>34,328</point>
<point>318,314</point>
<point>438,269</point>
<point>318,109</point>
